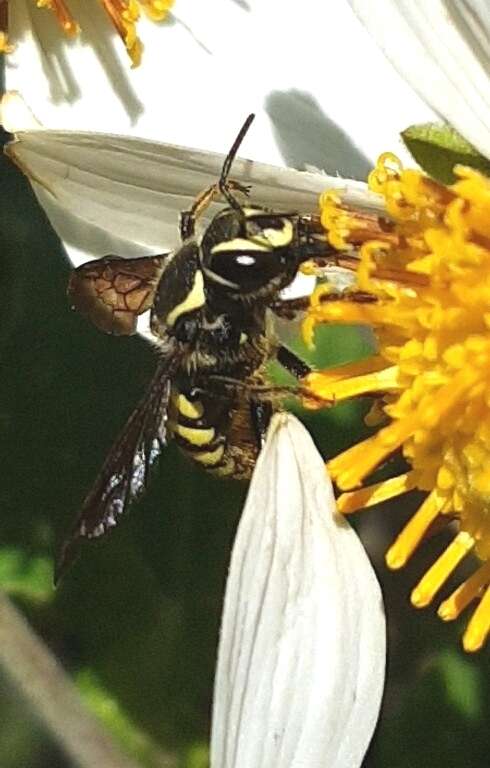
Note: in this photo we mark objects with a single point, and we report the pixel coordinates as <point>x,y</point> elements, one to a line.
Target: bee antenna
<point>223,179</point>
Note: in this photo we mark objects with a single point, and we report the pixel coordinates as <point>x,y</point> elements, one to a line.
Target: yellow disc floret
<point>429,278</point>
<point>124,15</point>
<point>5,44</point>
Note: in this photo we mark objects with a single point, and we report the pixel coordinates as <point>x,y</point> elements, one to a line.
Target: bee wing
<point>126,470</point>
<point>112,292</point>
<point>112,194</point>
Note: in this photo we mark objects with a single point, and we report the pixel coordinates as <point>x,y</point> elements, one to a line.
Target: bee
<point>209,305</point>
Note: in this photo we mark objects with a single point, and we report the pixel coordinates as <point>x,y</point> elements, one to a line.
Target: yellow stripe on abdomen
<point>187,408</point>
<point>196,436</point>
<point>209,458</point>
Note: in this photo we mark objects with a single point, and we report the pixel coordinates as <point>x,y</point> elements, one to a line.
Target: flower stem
<point>53,697</point>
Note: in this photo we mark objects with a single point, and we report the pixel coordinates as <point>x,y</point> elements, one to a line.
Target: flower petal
<point>440,48</point>
<point>195,84</point>
<point>302,652</point>
<point>123,195</point>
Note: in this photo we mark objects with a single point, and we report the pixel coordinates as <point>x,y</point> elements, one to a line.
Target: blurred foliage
<point>25,575</point>
<point>136,621</point>
<point>438,147</point>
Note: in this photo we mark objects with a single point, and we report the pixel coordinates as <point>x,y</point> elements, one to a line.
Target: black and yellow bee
<point>209,304</point>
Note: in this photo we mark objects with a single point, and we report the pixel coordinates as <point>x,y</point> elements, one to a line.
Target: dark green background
<point>136,621</point>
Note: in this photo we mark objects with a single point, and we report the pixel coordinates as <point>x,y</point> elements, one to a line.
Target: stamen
<point>5,45</point>
<point>438,573</point>
<point>382,381</point>
<point>346,312</point>
<point>124,14</point>
<point>469,590</point>
<point>479,625</point>
<point>351,467</point>
<point>347,227</point>
<point>414,531</point>
<point>65,19</point>
<point>156,10</point>
<point>375,494</point>
<point>419,286</point>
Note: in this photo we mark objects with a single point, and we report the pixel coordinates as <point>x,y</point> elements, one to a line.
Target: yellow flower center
<point>428,274</point>
<point>124,14</point>
<point>65,19</point>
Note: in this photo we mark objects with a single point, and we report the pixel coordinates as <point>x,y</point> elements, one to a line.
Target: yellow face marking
<point>210,458</point>
<point>241,244</point>
<point>196,436</point>
<point>243,338</point>
<point>194,299</point>
<point>188,409</point>
<point>280,238</point>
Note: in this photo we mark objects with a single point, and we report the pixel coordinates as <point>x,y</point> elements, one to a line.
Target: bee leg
<point>203,201</point>
<point>188,218</point>
<point>289,360</point>
<point>261,413</point>
<point>289,308</point>
<point>292,363</point>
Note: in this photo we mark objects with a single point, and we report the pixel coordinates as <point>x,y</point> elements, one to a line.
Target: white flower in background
<point>124,16</point>
<point>193,88</point>
<point>302,652</point>
<point>315,105</point>
<point>115,194</point>
<point>442,49</point>
<point>312,74</point>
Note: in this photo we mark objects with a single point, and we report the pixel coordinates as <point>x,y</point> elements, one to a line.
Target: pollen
<point>123,14</point>
<point>5,45</point>
<point>63,15</point>
<point>426,268</point>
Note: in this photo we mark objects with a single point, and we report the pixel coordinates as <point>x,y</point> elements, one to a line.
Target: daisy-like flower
<point>424,288</point>
<point>301,660</point>
<point>123,14</point>
<point>193,88</point>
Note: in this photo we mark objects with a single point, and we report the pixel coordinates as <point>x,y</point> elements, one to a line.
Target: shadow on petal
<point>308,137</point>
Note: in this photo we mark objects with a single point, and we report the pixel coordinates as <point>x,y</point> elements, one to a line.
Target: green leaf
<point>26,576</point>
<point>462,683</point>
<point>197,756</point>
<point>437,148</point>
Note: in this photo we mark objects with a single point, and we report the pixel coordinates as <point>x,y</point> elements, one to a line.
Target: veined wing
<point>126,470</point>
<point>112,292</point>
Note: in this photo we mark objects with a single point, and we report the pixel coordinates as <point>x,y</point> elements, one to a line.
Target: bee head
<point>250,253</point>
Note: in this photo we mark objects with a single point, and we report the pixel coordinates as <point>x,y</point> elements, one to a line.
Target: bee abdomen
<point>199,428</point>
<point>215,433</point>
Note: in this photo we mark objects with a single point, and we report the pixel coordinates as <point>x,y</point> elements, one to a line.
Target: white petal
<point>15,115</point>
<point>123,195</point>
<point>302,652</point>
<point>442,50</point>
<point>216,62</point>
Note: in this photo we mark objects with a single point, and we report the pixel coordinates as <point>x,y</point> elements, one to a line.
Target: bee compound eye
<point>247,270</point>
